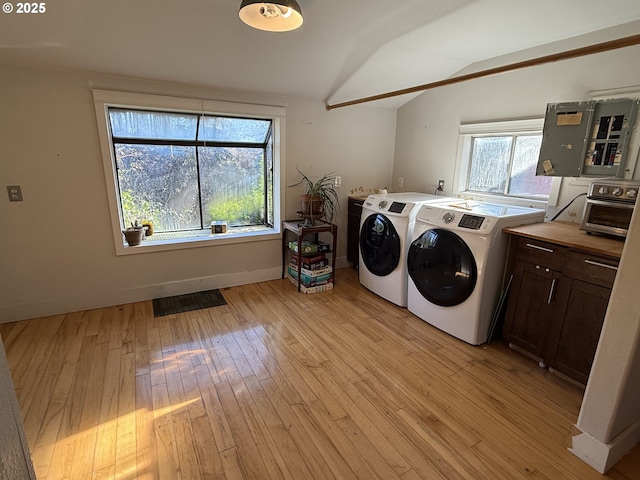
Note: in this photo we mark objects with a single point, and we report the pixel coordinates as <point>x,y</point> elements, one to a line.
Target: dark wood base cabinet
<point>557,304</point>
<point>353,229</point>
<point>586,305</point>
<point>528,319</point>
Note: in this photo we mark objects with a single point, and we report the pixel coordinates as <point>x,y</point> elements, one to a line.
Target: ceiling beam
<point>578,52</point>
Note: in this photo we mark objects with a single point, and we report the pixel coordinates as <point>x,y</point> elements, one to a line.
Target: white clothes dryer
<point>456,262</point>
<point>386,226</point>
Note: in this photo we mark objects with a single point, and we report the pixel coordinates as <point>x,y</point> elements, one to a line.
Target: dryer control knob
<point>382,204</point>
<point>448,217</point>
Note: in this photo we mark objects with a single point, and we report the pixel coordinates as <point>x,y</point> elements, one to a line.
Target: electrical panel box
<point>587,138</point>
<point>609,138</point>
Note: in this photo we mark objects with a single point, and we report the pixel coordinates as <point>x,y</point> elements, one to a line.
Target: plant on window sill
<point>134,234</point>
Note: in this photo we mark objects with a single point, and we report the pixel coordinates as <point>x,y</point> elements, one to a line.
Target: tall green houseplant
<point>320,198</point>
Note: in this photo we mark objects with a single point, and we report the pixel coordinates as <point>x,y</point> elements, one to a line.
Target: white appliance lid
<point>413,197</point>
<point>407,197</point>
<point>489,209</point>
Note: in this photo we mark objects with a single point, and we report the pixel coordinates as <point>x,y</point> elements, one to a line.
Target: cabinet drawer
<point>354,206</point>
<point>541,253</point>
<point>591,268</point>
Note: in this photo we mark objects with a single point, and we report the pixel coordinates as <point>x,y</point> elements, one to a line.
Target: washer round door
<point>442,267</point>
<point>379,245</point>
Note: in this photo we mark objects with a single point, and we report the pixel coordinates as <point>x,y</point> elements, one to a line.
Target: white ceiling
<point>344,50</point>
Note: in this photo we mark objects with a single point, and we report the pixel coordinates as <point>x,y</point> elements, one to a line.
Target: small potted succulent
<point>134,233</point>
<point>319,199</point>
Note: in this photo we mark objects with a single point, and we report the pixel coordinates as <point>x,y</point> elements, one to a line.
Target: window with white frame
<point>498,160</point>
<point>183,164</point>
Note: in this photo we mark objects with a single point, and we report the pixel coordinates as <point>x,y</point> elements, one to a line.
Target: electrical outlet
<point>337,182</point>
<point>15,193</point>
<point>440,184</point>
<point>400,182</point>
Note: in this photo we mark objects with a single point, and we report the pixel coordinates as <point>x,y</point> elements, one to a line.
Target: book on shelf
<point>309,280</point>
<point>305,248</point>
<point>312,262</point>
<point>309,247</point>
<point>314,289</point>
<point>323,246</point>
<point>312,272</point>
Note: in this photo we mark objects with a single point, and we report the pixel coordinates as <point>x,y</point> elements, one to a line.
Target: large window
<point>185,171</point>
<point>498,161</point>
<point>185,168</point>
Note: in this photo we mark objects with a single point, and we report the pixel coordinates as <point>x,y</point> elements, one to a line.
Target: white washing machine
<point>386,226</point>
<point>456,261</point>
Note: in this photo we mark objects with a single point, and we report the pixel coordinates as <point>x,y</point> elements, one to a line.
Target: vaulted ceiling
<point>344,50</point>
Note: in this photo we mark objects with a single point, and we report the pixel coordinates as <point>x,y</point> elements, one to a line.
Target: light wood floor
<point>280,385</point>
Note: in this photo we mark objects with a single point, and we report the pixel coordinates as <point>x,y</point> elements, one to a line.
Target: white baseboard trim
<point>602,456</point>
<point>45,308</point>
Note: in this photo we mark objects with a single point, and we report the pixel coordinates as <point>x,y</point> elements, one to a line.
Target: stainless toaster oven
<point>609,207</point>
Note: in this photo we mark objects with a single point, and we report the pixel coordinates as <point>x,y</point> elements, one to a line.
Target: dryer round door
<point>379,245</point>
<point>442,267</point>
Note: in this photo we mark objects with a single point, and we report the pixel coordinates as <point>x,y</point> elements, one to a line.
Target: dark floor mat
<point>187,302</point>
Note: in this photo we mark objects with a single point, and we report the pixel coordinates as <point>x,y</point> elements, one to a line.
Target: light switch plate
<point>15,193</point>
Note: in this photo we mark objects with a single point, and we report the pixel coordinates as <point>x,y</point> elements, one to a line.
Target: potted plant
<point>134,233</point>
<point>320,198</point>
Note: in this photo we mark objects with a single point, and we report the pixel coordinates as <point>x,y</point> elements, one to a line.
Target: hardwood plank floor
<point>281,385</point>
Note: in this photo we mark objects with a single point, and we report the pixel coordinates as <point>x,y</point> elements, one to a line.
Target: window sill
<point>196,238</point>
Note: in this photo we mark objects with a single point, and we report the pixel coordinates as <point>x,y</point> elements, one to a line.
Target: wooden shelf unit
<point>300,230</point>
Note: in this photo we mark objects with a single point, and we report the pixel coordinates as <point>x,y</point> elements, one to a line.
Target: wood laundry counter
<point>568,234</point>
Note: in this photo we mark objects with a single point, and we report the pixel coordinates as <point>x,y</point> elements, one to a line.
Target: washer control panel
<point>474,222</point>
<point>389,206</point>
<point>440,215</point>
<point>397,207</point>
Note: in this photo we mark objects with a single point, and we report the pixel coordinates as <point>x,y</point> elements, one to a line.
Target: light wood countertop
<point>359,196</point>
<point>569,235</point>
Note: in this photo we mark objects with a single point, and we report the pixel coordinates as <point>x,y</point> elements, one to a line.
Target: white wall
<point>426,142</point>
<point>57,250</point>
<point>427,127</point>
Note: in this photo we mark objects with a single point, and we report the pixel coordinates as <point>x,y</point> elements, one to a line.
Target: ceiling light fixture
<point>282,16</point>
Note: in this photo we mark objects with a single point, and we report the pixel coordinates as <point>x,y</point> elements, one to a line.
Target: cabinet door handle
<point>551,290</point>
<point>538,247</point>
<point>604,265</point>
